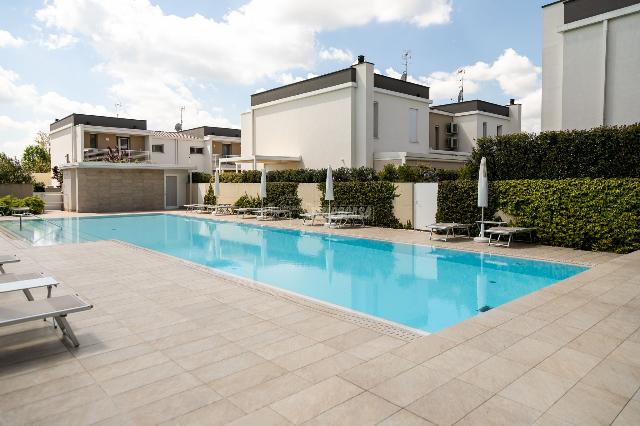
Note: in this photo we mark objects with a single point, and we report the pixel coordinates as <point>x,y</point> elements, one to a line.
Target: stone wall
<point>19,190</point>
<point>118,190</point>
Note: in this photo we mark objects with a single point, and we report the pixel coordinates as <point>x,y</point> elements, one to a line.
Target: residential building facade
<point>590,63</point>
<point>355,117</point>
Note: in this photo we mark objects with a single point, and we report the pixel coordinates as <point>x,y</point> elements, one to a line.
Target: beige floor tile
<point>595,344</point>
<point>450,402</point>
<point>195,346</point>
<point>630,415</point>
<point>364,409</point>
<point>556,334</point>
<point>283,347</point>
<point>217,414</point>
<point>549,420</point>
<point>494,317</point>
<point>106,358</point>
<point>327,367</point>
<point>377,370</point>
<point>264,417</point>
<point>375,347</point>
<point>424,348</point>
<point>248,378</point>
<point>463,331</point>
<point>615,328</point>
<point>330,331</point>
<point>528,352</point>
<point>264,394</point>
<point>351,339</point>
<point>494,340</point>
<point>298,359</point>
<point>627,353</point>
<point>407,387</point>
<point>404,418</point>
<point>128,366</point>
<point>569,363</point>
<point>227,366</point>
<point>501,411</point>
<point>174,405</point>
<point>615,377</point>
<point>155,391</point>
<point>310,402</point>
<point>494,374</point>
<point>39,376</point>
<point>584,404</point>
<point>523,325</point>
<point>209,356</point>
<point>140,378</point>
<point>263,339</point>
<point>537,389</point>
<point>86,414</point>
<point>457,360</point>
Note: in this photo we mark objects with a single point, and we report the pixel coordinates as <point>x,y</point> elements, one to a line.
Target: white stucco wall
<point>246,136</point>
<point>622,104</point>
<point>552,48</point>
<point>177,151</point>
<point>316,127</point>
<point>393,124</point>
<point>61,145</point>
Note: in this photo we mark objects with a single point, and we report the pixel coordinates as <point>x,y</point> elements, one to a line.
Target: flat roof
<point>475,105</point>
<point>576,10</point>
<point>203,131</point>
<point>99,120</point>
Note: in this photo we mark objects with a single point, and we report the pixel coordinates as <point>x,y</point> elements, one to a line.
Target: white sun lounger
<point>7,258</point>
<point>56,307</point>
<point>26,282</point>
<point>446,228</point>
<point>311,216</point>
<point>507,231</point>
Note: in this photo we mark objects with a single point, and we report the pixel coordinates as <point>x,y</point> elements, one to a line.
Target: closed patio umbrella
<point>483,197</point>
<point>328,193</point>
<point>216,186</point>
<point>263,186</point>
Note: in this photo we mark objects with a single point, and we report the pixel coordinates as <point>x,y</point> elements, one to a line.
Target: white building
<point>590,63</point>
<point>353,118</point>
<point>105,159</point>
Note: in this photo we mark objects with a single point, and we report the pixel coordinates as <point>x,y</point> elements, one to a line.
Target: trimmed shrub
<point>199,177</point>
<point>602,152</point>
<point>38,186</point>
<point>247,201</point>
<point>210,196</point>
<point>378,196</point>
<point>279,194</point>
<point>35,204</point>
<point>587,214</point>
<point>415,174</point>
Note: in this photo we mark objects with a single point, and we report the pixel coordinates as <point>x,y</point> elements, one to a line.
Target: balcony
<point>116,155</point>
<point>225,165</point>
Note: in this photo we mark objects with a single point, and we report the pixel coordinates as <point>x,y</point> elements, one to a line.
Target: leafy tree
<point>43,140</point>
<point>210,197</point>
<point>57,174</point>
<point>11,171</point>
<point>36,159</point>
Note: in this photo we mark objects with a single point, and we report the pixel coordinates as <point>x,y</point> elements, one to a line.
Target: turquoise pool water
<point>418,286</point>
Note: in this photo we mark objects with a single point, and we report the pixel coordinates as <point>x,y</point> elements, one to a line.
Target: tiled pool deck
<point>171,342</point>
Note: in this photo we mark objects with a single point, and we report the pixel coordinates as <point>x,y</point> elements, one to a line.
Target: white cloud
<point>516,75</point>
<point>335,54</point>
<point>58,41</point>
<point>8,40</point>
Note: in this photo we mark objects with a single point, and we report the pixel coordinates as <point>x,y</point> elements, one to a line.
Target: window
<point>413,125</point>
<point>157,148</point>
<point>93,140</point>
<point>375,120</point>
<point>499,130</point>
<point>226,149</point>
<point>437,139</point>
<point>123,144</point>
<point>484,129</point>
<point>196,150</point>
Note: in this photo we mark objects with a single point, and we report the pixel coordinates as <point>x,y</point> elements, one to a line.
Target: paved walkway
<point>171,342</point>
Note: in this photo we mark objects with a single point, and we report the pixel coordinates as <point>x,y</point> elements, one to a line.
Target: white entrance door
<point>171,192</point>
<point>425,198</point>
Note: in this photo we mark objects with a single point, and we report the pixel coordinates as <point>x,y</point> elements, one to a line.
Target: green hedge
<point>603,152</point>
<point>378,195</point>
<point>279,194</point>
<point>35,204</point>
<point>587,214</point>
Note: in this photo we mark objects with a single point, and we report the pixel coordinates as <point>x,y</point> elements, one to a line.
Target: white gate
<point>425,204</point>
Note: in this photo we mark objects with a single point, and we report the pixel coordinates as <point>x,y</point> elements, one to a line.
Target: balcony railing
<point>116,155</point>
<point>217,164</point>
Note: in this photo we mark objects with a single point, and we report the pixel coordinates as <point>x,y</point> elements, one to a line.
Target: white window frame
<point>161,145</point>
<point>485,132</point>
<point>376,120</point>
<point>192,150</point>
<point>499,130</point>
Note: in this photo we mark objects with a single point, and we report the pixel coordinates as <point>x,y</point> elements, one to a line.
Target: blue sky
<point>151,56</point>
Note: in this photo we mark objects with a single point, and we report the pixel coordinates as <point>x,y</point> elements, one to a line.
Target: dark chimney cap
<point>512,101</point>
<point>360,59</point>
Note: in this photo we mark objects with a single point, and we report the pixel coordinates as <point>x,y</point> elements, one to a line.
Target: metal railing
<point>116,155</point>
<point>217,164</point>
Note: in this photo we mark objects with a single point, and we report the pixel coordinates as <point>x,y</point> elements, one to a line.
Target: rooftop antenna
<point>178,126</point>
<point>118,105</point>
<point>461,79</point>
<point>406,57</point>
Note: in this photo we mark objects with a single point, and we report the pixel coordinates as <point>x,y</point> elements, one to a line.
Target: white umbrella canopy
<point>263,184</point>
<point>483,197</point>
<point>216,185</point>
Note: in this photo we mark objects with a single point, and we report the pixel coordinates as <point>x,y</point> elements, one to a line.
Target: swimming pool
<point>418,286</point>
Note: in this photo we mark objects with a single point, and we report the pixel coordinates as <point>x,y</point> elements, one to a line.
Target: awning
<point>262,159</point>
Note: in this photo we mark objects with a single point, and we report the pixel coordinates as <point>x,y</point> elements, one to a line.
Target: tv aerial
<point>406,57</point>
<point>178,126</point>
<point>461,80</point>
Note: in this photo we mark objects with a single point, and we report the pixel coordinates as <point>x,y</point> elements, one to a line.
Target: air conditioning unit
<point>452,143</point>
<point>452,128</point>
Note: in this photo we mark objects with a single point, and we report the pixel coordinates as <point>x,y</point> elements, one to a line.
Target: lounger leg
<point>66,330</point>
<point>2,269</point>
<point>509,242</point>
<point>27,293</point>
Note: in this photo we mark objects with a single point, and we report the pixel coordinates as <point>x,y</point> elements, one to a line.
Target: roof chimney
<point>512,101</point>
<point>360,59</point>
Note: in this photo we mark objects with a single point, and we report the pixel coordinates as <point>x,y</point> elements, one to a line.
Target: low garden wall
<point>18,190</point>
